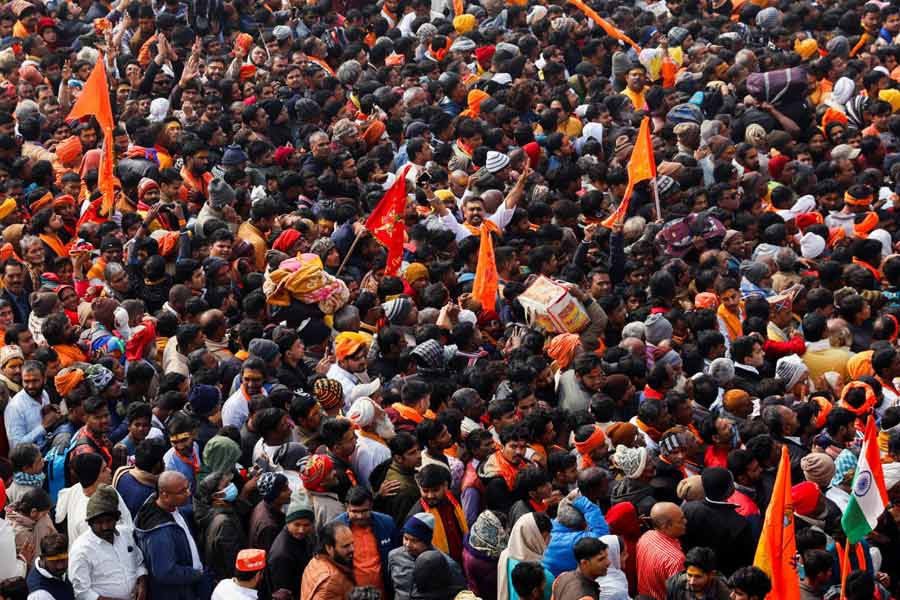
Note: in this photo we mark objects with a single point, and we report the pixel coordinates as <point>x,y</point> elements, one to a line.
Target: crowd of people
<point>251,347</point>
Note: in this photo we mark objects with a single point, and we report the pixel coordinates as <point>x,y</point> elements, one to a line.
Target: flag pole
<point>350,251</point>
<point>656,198</point>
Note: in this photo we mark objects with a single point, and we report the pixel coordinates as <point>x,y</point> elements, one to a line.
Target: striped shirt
<point>658,558</point>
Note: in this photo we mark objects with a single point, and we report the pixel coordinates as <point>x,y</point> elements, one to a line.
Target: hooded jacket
<point>401,565</point>
<point>167,552</point>
<point>560,556</point>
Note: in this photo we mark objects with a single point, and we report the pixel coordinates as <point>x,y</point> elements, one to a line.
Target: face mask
<point>230,493</point>
<point>29,479</point>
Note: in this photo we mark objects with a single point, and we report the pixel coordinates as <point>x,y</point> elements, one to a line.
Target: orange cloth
<point>487,282</point>
<point>608,27</point>
<point>641,166</point>
<point>596,440</point>
<point>408,413</point>
<point>732,322</point>
<point>52,240</point>
<point>775,553</point>
<point>860,364</point>
<point>66,382</point>
<point>866,406</point>
<point>474,100</point>
<point>562,349</point>
<point>69,354</point>
<point>348,343</point>
<point>366,559</point>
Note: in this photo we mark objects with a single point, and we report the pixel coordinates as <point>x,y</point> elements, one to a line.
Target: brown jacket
<point>323,579</point>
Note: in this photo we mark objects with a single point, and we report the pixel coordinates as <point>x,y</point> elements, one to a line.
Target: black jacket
<point>734,542</point>
<point>287,558</point>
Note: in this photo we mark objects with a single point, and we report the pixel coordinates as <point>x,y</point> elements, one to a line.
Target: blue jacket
<point>560,555</point>
<point>167,554</point>
<point>386,536</point>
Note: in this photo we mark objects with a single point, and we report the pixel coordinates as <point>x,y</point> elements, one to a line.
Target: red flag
<point>777,549</point>
<point>94,102</point>
<point>608,27</point>
<point>641,166</point>
<point>484,288</point>
<point>386,222</point>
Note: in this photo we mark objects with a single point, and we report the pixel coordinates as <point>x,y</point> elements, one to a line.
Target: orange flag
<point>641,166</point>
<point>844,559</point>
<point>387,225</point>
<point>484,288</point>
<point>608,27</point>
<point>777,549</point>
<point>458,8</point>
<point>94,102</point>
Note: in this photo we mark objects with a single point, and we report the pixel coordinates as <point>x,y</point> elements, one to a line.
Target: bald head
<point>174,490</point>
<point>667,518</point>
<point>213,324</point>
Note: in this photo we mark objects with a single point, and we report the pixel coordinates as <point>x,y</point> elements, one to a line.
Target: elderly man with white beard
<point>373,432</point>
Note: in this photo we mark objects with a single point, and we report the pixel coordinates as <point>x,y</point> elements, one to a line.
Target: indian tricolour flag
<point>869,497</point>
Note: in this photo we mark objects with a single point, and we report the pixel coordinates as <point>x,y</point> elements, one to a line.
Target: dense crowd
<point>271,309</point>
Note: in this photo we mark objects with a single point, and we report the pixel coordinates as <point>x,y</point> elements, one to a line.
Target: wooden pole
<point>350,251</point>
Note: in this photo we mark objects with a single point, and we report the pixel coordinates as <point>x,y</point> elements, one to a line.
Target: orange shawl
<point>52,240</point>
<point>69,354</point>
<point>732,322</point>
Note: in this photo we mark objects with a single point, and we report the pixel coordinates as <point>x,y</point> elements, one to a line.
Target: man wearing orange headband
<point>351,351</point>
<point>857,200</point>
<point>590,442</point>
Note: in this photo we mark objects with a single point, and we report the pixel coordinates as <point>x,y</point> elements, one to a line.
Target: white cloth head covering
<point>613,585</point>
<point>525,544</point>
<point>593,130</point>
<point>159,108</point>
<point>812,245</point>
<point>843,91</point>
<point>362,412</point>
<point>885,238</point>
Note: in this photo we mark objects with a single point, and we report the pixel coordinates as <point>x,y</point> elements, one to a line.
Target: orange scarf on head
<point>69,354</point>
<point>52,240</point>
<point>411,414</point>
<point>732,322</point>
<point>439,540</point>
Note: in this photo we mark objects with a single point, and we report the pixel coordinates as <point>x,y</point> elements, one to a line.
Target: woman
<point>221,531</point>
<point>481,551</point>
<point>614,585</point>
<point>527,542</point>
<point>35,255</point>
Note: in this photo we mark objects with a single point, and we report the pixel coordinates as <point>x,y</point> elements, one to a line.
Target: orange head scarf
<point>67,380</point>
<point>348,343</point>
<point>866,406</point>
<point>860,364</point>
<point>596,440</point>
<point>562,349</point>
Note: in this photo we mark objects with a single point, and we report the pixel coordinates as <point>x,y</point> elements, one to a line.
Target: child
<point>28,471</point>
<point>138,416</point>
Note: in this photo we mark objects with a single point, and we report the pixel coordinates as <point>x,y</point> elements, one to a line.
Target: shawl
<point>613,585</point>
<point>69,354</point>
<point>496,465</point>
<point>439,540</point>
<point>488,535</point>
<point>732,322</point>
<point>54,243</point>
<point>525,544</point>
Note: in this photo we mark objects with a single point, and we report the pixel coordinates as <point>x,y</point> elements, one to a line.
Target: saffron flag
<point>777,549</point>
<point>641,166</point>
<point>484,288</point>
<point>605,25</point>
<point>386,222</point>
<point>94,102</point>
<point>458,8</point>
<point>869,497</point>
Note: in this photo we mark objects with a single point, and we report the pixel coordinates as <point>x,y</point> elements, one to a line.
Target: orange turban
<point>69,150</point>
<point>562,349</point>
<point>596,439</point>
<point>67,380</point>
<point>63,200</point>
<point>474,100</point>
<point>706,300</point>
<point>247,72</point>
<point>860,364</point>
<point>348,343</point>
<point>373,133</point>
<point>824,410</point>
<point>866,406</point>
<point>42,202</point>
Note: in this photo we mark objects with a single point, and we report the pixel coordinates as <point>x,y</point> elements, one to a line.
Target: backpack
<point>56,465</point>
<point>772,86</point>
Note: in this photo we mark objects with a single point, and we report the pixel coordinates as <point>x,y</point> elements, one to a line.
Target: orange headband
<point>179,437</point>
<point>864,201</point>
<point>866,406</point>
<point>63,556</point>
<point>592,443</point>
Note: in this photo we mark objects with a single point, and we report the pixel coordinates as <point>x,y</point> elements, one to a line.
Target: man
<point>14,290</point>
<point>500,469</point>
<point>350,351</point>
<point>413,408</point>
<point>320,482</point>
<point>817,571</point>
<point>255,230</point>
<point>47,580</point>
<point>194,174</point>
<point>236,409</point>
<point>659,554</point>
<point>306,412</point>
<point>593,562</point>
<point>329,575</point>
<point>249,568</point>
<point>293,548</point>
<point>820,356</point>
<point>437,500</point>
<point>93,438</point>
<point>734,542</point>
<point>579,384</point>
<point>699,580</point>
<point>635,80</point>
<point>406,457</point>
<point>418,533</point>
<point>749,583</point>
<point>166,542</point>
<point>372,429</point>
<point>371,531</point>
<point>25,418</point>
<point>748,356</point>
<point>339,438</point>
<point>103,561</point>
<point>578,517</point>
<point>267,518</point>
<point>11,360</point>
<point>188,338</point>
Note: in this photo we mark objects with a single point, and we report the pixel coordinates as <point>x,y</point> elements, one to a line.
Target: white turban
<point>362,412</point>
<point>812,245</point>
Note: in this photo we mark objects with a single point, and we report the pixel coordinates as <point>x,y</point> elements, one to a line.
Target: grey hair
<point>28,241</point>
<point>786,259</point>
<point>569,516</point>
<point>410,94</point>
<point>111,270</point>
<point>722,371</point>
<point>349,72</point>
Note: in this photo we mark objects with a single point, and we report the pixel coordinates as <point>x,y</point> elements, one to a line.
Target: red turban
<point>805,496</point>
<point>317,469</point>
<point>287,239</point>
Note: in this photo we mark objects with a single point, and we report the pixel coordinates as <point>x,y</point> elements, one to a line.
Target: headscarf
<point>866,406</point>
<point>855,108</point>
<point>526,544</point>
<point>7,353</point>
<point>844,462</point>
<point>270,485</point>
<point>842,91</point>
<point>99,378</point>
<point>613,585</point>
<point>860,364</point>
<point>348,343</point>
<point>488,535</point>
<point>623,520</point>
<point>363,412</point>
<point>287,239</point>
<point>594,441</point>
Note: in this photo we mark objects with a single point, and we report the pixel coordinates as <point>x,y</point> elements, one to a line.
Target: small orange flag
<point>777,549</point>
<point>458,8</point>
<point>608,27</point>
<point>386,222</point>
<point>94,102</point>
<point>484,288</point>
<point>641,166</point>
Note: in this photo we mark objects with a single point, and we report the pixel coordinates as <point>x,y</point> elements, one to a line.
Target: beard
<point>385,429</point>
<point>346,561</point>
